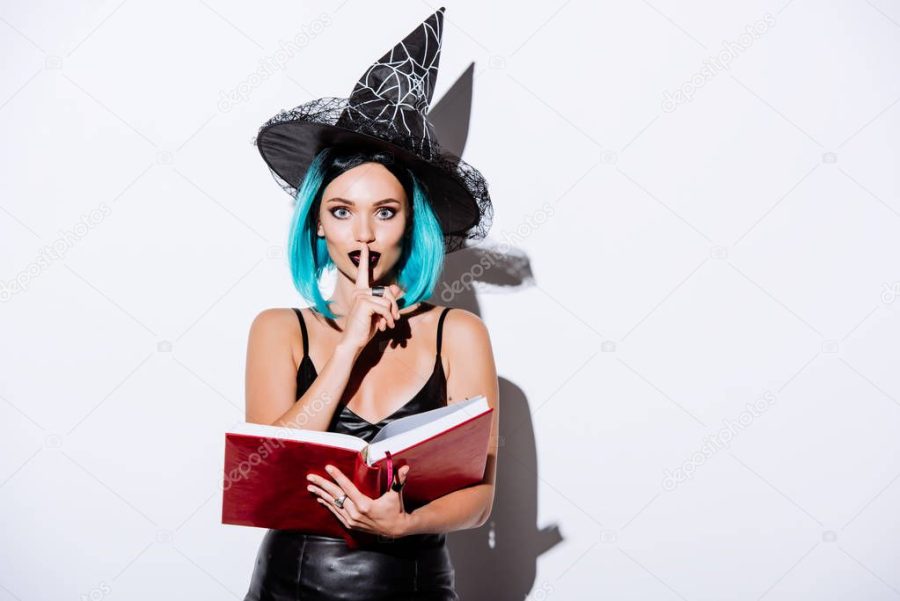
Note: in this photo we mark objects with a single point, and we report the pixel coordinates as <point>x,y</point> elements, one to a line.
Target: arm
<point>270,380</point>
<point>472,372</point>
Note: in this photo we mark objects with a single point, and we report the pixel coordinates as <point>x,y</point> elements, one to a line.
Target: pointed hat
<point>387,110</point>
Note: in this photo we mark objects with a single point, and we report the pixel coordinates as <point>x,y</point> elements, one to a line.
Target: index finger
<point>362,272</point>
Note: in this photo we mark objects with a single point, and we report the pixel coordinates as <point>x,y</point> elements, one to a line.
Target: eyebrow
<point>383,201</point>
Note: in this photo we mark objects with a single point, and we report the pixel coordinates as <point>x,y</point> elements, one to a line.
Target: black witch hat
<point>387,110</point>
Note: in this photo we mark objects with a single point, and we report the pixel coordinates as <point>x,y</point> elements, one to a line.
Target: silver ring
<point>378,291</point>
<point>340,502</point>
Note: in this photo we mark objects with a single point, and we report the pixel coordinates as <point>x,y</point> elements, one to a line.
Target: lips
<point>373,257</point>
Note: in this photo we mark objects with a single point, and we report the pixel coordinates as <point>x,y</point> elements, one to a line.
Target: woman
<point>379,203</point>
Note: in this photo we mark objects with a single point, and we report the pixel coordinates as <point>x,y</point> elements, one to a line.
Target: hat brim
<point>457,191</point>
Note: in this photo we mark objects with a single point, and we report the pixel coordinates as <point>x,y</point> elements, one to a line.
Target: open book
<point>266,466</point>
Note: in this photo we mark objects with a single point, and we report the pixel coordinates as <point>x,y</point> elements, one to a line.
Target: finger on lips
<point>362,271</point>
<point>391,293</point>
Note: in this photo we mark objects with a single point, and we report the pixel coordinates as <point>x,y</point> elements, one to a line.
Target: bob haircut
<point>422,258</point>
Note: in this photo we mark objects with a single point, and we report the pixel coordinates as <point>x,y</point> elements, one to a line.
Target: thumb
<point>400,478</point>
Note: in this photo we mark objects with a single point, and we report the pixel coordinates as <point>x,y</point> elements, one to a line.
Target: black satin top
<point>431,396</point>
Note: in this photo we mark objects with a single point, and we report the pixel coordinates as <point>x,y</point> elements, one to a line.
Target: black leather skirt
<point>291,565</point>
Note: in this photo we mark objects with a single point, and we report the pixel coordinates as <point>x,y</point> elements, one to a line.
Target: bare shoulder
<point>270,385</point>
<point>462,328</point>
<point>471,369</point>
<point>275,333</point>
<point>273,320</point>
<point>276,328</point>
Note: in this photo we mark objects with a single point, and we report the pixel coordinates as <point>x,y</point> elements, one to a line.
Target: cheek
<point>398,230</point>
<point>337,232</point>
<point>397,241</point>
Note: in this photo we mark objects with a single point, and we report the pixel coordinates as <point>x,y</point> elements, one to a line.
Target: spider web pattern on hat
<point>387,109</point>
<point>401,83</point>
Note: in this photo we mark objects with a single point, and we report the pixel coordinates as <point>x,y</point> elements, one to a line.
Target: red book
<point>265,472</point>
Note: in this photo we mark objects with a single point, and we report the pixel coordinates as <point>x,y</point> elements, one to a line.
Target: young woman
<point>381,205</point>
<point>351,373</point>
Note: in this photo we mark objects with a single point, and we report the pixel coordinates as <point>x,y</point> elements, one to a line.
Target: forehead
<point>368,182</point>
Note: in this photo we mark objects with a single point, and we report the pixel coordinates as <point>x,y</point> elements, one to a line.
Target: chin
<point>380,277</point>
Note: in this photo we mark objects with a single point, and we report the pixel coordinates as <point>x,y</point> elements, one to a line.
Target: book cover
<point>265,468</point>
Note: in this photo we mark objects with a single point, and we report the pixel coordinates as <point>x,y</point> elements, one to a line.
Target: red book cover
<point>264,480</point>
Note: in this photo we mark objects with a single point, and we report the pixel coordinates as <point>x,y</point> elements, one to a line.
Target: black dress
<point>291,565</point>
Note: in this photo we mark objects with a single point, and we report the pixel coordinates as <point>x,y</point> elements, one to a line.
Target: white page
<point>407,431</point>
<point>334,439</point>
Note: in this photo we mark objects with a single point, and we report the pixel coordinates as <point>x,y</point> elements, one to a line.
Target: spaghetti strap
<point>303,329</point>
<point>440,329</point>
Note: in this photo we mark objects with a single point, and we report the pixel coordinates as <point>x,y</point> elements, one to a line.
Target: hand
<point>360,327</point>
<point>383,516</point>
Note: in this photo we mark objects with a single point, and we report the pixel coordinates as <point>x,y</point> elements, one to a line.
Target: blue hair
<point>421,259</point>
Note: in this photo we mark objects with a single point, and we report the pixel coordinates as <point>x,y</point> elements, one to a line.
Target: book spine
<point>367,478</point>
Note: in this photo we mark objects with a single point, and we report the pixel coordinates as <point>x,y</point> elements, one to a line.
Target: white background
<point>666,267</point>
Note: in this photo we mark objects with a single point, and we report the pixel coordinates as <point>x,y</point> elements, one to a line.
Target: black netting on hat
<point>458,191</point>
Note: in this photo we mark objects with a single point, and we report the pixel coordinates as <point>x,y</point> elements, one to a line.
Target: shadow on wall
<point>498,560</point>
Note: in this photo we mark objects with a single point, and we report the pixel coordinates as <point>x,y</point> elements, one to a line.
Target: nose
<point>364,231</point>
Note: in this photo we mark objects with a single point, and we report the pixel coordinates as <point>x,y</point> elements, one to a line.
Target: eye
<point>390,215</point>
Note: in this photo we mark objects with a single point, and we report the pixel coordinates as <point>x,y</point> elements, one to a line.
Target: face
<point>364,205</point>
